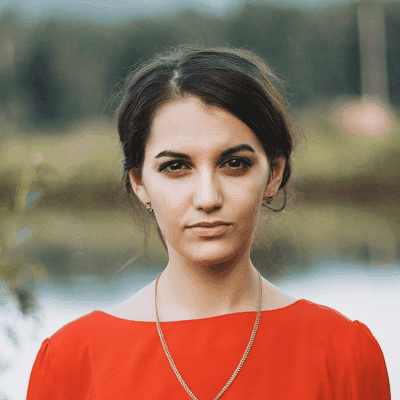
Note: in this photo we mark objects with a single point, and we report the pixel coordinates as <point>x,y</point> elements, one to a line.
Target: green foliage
<point>16,269</point>
<point>59,71</point>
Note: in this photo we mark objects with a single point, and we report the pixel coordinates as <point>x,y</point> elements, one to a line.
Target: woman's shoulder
<point>138,307</point>
<point>97,334</point>
<point>345,347</point>
<point>83,328</point>
<point>318,319</point>
<point>331,329</point>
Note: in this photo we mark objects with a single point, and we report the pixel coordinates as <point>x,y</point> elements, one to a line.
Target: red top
<point>302,351</point>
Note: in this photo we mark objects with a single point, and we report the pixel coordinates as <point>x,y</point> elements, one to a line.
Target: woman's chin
<point>211,253</point>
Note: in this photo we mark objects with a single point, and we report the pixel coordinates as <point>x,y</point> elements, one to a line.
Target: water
<point>359,291</point>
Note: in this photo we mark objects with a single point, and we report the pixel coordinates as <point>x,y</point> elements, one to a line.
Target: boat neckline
<point>263,312</point>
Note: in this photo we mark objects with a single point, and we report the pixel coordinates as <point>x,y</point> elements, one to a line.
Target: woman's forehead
<point>190,123</point>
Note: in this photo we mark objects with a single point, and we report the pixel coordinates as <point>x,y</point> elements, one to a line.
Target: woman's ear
<point>275,178</point>
<point>138,186</point>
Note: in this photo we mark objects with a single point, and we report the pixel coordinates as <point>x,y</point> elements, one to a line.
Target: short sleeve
<point>43,374</point>
<point>58,375</point>
<point>368,375</point>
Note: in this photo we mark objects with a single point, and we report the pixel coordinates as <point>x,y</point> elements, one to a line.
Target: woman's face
<point>204,183</point>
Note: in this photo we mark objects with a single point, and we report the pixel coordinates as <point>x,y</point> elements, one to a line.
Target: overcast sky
<point>119,10</point>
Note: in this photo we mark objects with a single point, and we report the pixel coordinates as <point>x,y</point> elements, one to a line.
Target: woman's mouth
<point>210,232</point>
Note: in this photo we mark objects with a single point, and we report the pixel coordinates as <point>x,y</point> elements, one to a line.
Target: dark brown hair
<point>237,80</point>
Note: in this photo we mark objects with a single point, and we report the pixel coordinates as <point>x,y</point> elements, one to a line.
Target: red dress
<point>304,351</point>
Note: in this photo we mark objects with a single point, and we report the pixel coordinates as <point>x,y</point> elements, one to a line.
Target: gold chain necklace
<point>241,362</point>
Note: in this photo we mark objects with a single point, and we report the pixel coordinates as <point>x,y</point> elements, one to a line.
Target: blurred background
<point>65,228</point>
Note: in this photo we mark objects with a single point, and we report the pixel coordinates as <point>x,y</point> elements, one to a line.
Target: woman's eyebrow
<point>224,154</point>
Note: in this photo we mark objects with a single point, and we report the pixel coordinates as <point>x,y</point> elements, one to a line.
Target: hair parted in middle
<point>237,80</point>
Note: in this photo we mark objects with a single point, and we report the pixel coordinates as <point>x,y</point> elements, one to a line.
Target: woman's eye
<point>164,167</point>
<point>172,168</point>
<point>246,164</point>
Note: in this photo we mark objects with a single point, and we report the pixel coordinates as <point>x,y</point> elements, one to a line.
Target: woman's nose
<point>207,194</point>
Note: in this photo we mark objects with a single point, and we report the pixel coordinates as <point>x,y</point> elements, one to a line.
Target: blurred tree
<point>335,54</point>
<point>372,37</point>
<point>41,88</point>
<point>62,70</point>
<point>10,35</point>
<point>280,36</point>
<point>392,22</point>
<point>132,43</point>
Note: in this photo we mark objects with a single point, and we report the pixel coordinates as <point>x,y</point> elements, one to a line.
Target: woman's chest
<point>283,372</point>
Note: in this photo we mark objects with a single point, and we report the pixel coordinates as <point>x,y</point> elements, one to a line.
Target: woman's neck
<point>192,292</point>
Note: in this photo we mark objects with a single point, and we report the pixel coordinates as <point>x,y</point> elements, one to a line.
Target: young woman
<point>207,142</point>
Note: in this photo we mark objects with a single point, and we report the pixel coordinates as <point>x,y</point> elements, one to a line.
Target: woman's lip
<point>209,232</point>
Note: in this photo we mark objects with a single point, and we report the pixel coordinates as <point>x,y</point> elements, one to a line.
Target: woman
<point>207,140</point>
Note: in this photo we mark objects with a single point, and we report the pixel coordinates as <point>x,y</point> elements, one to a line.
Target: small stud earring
<point>269,200</point>
<point>149,208</point>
